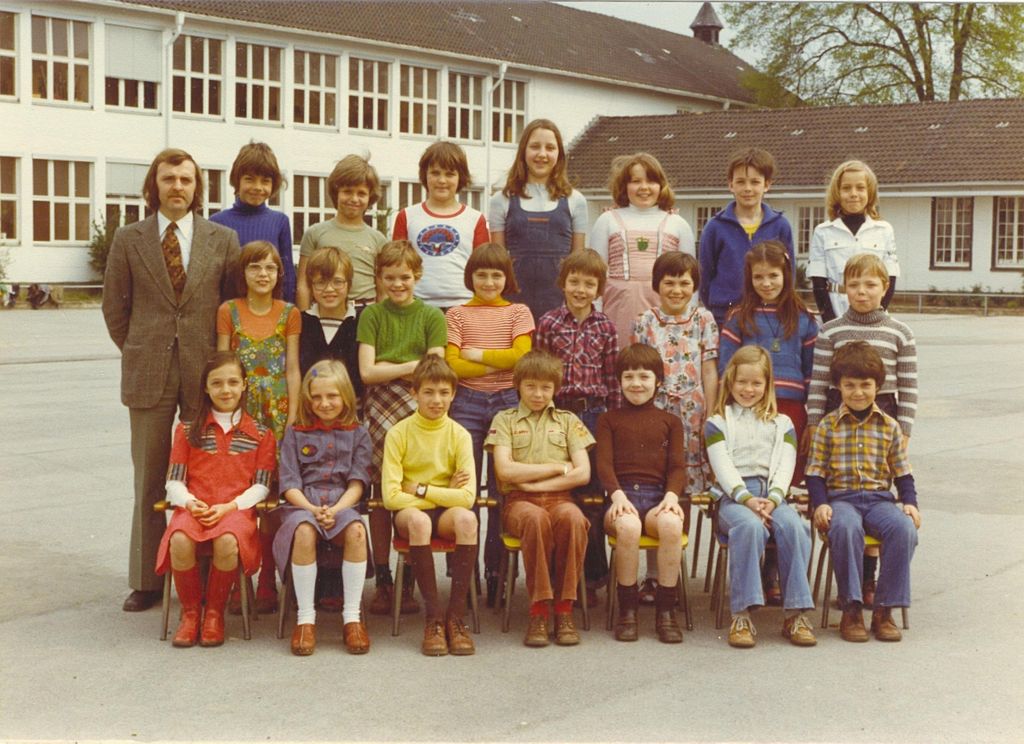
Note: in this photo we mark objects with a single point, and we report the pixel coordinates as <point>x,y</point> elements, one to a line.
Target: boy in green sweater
<point>428,480</point>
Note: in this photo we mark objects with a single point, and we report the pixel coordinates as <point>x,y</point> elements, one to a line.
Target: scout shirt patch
<point>308,450</point>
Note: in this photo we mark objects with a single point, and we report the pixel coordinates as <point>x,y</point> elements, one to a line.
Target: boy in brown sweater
<point>640,464</point>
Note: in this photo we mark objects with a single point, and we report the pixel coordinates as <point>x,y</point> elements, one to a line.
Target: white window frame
<point>473,197</point>
<point>952,236</point>
<point>466,93</point>
<point>73,200</point>
<point>9,56</point>
<point>325,93</point>
<point>70,61</point>
<point>9,200</point>
<point>417,110</point>
<point>123,202</point>
<point>410,193</point>
<point>302,209</point>
<point>702,216</point>
<point>359,92</point>
<point>252,89</point>
<point>218,196</point>
<point>508,111</point>
<point>124,86</point>
<point>808,218</point>
<point>187,75</point>
<point>380,210</point>
<point>1008,232</point>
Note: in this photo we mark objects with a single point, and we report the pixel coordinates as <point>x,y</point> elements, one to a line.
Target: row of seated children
<point>220,469</point>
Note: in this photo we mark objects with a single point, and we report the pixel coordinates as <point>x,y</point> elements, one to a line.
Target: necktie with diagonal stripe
<point>172,257</point>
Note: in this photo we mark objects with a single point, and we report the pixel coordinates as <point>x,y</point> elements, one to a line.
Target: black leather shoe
<point>140,600</point>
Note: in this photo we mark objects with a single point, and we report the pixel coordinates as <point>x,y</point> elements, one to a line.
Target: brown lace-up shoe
<point>434,643</point>
<point>883,626</point>
<point>460,643</point>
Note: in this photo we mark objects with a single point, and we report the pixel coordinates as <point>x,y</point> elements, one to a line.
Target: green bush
<point>99,244</point>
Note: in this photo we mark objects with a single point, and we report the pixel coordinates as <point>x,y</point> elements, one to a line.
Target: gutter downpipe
<point>502,69</point>
<point>179,24</point>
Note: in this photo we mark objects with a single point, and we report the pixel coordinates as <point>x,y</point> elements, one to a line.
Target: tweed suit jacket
<point>144,318</point>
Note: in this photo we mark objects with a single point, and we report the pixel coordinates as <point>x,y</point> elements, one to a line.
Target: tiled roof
<point>914,143</point>
<point>536,34</point>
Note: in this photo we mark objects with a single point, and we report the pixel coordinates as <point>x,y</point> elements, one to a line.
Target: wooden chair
<point>649,543</point>
<point>825,557</point>
<point>437,545</point>
<point>510,568</point>
<point>204,552</point>
<point>799,501</point>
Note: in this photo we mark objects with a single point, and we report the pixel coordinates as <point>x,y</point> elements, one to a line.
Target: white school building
<point>91,90</point>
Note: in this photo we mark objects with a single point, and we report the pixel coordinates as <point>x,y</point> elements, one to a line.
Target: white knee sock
<point>353,576</point>
<point>304,581</point>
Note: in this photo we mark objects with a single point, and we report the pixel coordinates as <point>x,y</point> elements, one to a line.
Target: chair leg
<point>582,593</point>
<point>612,586</point>
<point>696,541</point>
<point>683,598</point>
<point>396,594</point>
<point>906,619</point>
<point>474,600</point>
<point>810,556</point>
<point>510,580</point>
<point>822,556</point>
<point>283,602</point>
<point>248,605</point>
<point>827,599</point>
<point>166,612</point>
<point>708,572</point>
<point>713,577</point>
<point>723,577</point>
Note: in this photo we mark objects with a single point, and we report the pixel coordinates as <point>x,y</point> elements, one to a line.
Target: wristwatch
<point>421,490</point>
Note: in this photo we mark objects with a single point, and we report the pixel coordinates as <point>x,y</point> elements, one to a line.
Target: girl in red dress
<point>220,468</point>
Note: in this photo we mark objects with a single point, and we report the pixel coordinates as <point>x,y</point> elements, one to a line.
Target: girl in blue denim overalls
<point>538,216</point>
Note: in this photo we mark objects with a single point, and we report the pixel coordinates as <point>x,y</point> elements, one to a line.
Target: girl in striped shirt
<point>486,337</point>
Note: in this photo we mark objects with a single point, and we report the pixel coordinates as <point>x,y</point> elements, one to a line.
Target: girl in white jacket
<point>752,451</point>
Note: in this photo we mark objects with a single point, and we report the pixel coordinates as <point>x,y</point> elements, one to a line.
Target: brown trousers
<point>552,529</point>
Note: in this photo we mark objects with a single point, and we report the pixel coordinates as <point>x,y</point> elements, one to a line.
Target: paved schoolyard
<point>74,667</point>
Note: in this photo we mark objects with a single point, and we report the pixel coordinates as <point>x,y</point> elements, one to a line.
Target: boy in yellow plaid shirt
<point>857,452</point>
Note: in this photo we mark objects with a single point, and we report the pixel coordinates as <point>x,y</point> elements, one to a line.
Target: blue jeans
<point>747,539</point>
<point>475,410</point>
<point>876,513</point>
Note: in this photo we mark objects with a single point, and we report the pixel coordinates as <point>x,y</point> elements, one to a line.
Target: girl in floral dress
<point>264,331</point>
<point>685,334</point>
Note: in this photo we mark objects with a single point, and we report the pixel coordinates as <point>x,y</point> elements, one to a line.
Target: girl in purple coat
<point>323,472</point>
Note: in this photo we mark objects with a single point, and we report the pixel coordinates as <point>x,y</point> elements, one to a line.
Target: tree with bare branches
<point>836,53</point>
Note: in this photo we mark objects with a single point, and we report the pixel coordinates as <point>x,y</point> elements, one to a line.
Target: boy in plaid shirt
<point>586,341</point>
<point>857,451</point>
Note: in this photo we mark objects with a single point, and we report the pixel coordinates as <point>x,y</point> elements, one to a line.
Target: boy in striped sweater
<point>866,280</point>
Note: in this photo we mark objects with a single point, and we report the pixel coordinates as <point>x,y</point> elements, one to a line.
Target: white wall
<point>910,217</point>
<point>95,134</point>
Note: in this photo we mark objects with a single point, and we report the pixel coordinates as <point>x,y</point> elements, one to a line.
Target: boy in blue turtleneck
<point>745,221</point>
<point>256,178</point>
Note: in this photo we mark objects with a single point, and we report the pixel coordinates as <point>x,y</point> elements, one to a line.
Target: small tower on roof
<point>707,25</point>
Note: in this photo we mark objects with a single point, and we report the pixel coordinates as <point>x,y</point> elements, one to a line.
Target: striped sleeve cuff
<point>776,496</point>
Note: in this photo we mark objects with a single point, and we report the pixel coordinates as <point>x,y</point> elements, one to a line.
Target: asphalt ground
<point>73,666</point>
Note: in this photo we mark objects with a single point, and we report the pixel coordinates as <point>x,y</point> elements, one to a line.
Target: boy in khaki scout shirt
<point>540,455</point>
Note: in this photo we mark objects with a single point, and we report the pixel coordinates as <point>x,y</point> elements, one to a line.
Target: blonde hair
<point>767,408</point>
<point>333,371</point>
<point>832,195</point>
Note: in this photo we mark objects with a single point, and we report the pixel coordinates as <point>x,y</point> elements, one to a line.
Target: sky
<point>671,15</point>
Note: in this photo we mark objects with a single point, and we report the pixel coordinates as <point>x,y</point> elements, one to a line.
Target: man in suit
<point>165,278</point>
